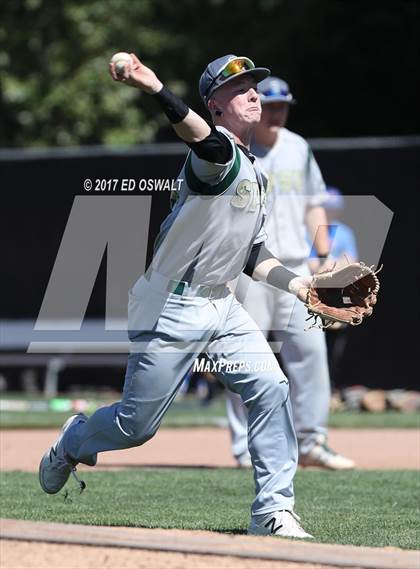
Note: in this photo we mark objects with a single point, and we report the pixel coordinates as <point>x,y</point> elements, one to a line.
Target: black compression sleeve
<point>173,107</point>
<point>259,253</point>
<point>215,148</point>
<point>278,277</point>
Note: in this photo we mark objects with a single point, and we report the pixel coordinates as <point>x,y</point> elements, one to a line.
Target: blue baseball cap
<point>335,199</point>
<point>226,68</point>
<point>275,90</point>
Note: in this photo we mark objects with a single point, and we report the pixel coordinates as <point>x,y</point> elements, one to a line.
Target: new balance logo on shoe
<point>273,528</point>
<point>287,525</point>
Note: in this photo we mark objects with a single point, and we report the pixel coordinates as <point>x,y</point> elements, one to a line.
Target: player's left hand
<point>347,295</point>
<point>299,286</point>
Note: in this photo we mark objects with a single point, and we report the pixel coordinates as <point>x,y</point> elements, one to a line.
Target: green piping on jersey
<point>199,187</point>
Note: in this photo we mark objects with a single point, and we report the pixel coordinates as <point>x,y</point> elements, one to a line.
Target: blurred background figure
<point>343,247</point>
<point>343,250</point>
<point>295,198</point>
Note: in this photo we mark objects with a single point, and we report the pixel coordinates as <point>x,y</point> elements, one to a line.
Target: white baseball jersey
<point>295,183</point>
<point>217,217</point>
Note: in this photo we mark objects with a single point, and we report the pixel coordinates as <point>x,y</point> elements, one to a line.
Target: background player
<point>343,246</point>
<point>343,251</point>
<point>182,306</point>
<point>295,198</point>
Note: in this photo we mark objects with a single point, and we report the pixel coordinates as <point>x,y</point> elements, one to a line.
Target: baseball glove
<point>346,295</point>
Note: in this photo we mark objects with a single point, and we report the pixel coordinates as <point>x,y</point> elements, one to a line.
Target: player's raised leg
<point>155,369</point>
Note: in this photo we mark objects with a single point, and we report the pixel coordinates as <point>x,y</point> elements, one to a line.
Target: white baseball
<point>121,59</point>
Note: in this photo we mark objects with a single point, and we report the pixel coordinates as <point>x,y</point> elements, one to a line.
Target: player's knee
<point>271,391</point>
<point>141,436</point>
<point>143,433</point>
<point>278,391</point>
<point>137,432</point>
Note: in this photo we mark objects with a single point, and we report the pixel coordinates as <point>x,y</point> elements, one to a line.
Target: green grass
<point>185,413</point>
<point>28,420</point>
<point>364,420</point>
<point>189,413</point>
<point>375,508</point>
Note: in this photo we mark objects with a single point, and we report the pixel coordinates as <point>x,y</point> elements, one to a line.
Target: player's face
<point>274,115</point>
<point>239,101</point>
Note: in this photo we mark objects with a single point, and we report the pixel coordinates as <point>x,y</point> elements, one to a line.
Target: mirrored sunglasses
<point>230,69</point>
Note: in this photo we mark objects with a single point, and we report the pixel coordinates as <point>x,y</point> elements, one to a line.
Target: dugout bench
<point>92,346</point>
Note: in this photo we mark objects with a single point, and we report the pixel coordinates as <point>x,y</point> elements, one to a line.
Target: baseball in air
<point>121,59</point>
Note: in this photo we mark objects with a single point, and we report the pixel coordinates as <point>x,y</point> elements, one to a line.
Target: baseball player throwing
<point>295,200</point>
<point>182,307</point>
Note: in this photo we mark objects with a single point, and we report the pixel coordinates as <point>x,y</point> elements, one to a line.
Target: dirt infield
<point>23,554</point>
<point>22,449</point>
<point>371,448</point>
<point>209,549</point>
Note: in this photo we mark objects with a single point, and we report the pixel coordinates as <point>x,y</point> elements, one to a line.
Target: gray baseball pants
<point>168,332</point>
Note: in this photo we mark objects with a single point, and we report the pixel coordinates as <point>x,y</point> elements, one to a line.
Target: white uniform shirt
<point>217,217</point>
<point>294,184</point>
